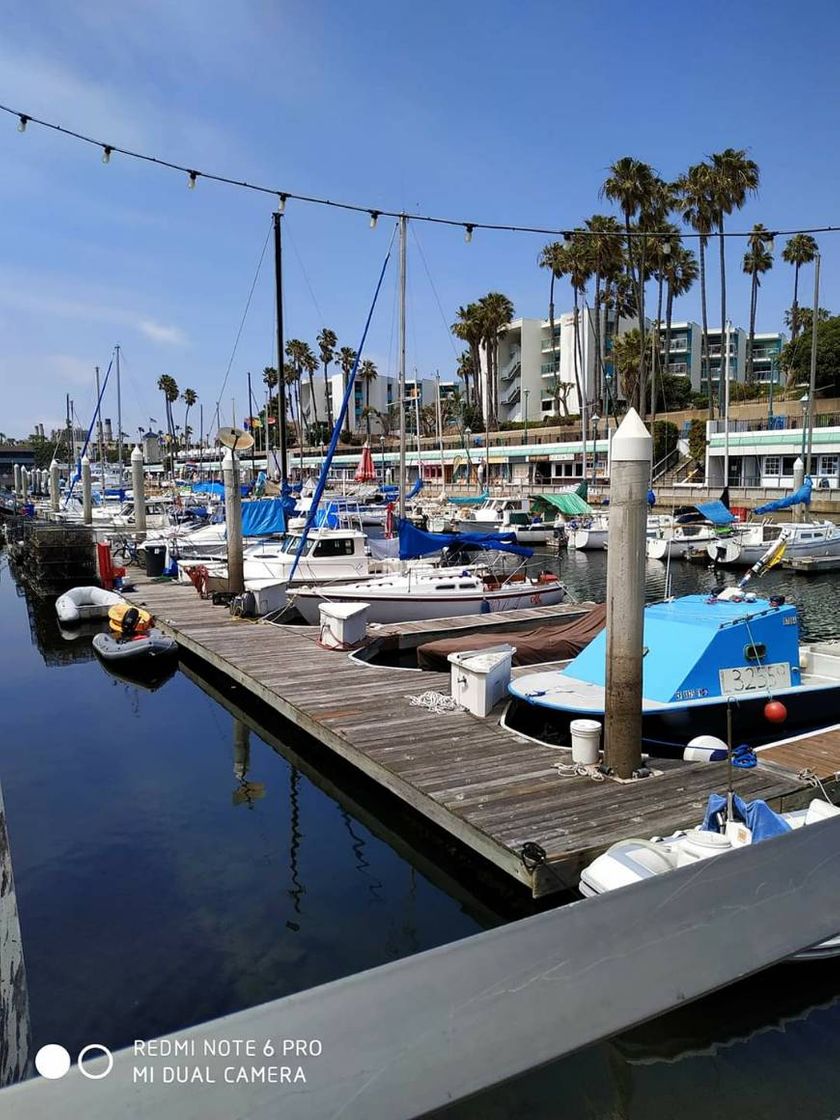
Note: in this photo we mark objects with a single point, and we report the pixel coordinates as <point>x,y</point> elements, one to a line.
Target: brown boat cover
<point>557,642</point>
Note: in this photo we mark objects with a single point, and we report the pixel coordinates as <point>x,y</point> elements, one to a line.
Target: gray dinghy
<point>152,643</point>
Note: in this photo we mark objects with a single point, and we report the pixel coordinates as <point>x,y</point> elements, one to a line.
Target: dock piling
<point>55,486</point>
<point>87,497</point>
<point>629,483</point>
<point>233,522</point>
<point>137,490</point>
<point>18,481</point>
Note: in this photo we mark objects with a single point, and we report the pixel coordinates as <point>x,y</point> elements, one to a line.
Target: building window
<point>787,463</point>
<point>828,463</point>
<point>771,464</point>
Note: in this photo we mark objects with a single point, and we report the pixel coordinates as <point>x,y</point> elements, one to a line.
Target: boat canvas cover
<point>570,504</point>
<point>757,815</point>
<point>416,542</point>
<point>468,499</point>
<point>800,497</point>
<point>532,647</point>
<point>688,640</point>
<point>716,512</point>
<point>262,517</point>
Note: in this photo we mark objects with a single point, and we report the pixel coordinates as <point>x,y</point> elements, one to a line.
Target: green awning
<point>570,504</point>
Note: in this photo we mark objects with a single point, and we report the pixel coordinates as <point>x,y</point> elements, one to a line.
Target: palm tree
<point>291,379</point>
<point>800,249</point>
<point>346,359</point>
<point>189,397</point>
<point>632,185</point>
<point>368,373</point>
<point>310,368</point>
<point>300,355</point>
<point>465,371</point>
<point>578,269</point>
<point>496,313</point>
<point>169,387</point>
<point>625,356</point>
<point>663,248</point>
<point>680,271</point>
<point>468,328</point>
<point>733,177</point>
<point>694,190</point>
<point>757,260</point>
<point>554,257</point>
<point>607,253</point>
<point>327,342</point>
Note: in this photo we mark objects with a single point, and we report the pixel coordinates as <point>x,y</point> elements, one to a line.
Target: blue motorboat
<point>701,654</point>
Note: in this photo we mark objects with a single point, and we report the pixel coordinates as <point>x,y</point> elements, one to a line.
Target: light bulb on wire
<point>281,203</point>
<point>23,120</point>
<point>374,217</point>
<point>106,153</point>
<point>192,180</point>
<point>468,232</point>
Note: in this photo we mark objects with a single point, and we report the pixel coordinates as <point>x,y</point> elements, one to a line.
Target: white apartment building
<point>685,351</point>
<point>383,396</point>
<point>537,373</point>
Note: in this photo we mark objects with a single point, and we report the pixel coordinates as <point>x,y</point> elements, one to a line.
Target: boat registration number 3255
<point>755,678</point>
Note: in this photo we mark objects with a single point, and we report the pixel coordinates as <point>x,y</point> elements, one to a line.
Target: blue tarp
<point>716,512</point>
<point>263,516</point>
<point>208,487</point>
<point>756,815</point>
<point>415,489</point>
<point>800,497</point>
<point>416,542</point>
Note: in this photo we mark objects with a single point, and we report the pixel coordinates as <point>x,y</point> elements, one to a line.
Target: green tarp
<point>569,504</point>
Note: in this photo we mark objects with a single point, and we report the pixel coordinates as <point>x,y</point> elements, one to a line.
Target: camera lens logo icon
<point>53,1061</point>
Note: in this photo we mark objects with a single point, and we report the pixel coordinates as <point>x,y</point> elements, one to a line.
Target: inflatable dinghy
<point>141,647</point>
<point>85,602</point>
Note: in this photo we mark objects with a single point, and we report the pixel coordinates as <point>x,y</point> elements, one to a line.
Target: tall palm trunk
<point>576,364</point>
<point>599,357</point>
<point>750,376</point>
<point>655,360</point>
<point>328,397</point>
<point>669,315</point>
<point>367,408</point>
<point>704,341</point>
<point>311,379</point>
<point>723,341</point>
<point>642,346</point>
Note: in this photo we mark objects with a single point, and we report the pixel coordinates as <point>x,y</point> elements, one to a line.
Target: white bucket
<point>586,741</point>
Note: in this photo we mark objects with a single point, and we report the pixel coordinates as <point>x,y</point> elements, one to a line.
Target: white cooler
<point>479,678</point>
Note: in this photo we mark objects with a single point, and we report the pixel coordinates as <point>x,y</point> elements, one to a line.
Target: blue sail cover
<point>415,490</point>
<point>208,487</point>
<point>800,497</point>
<point>470,499</point>
<point>263,516</point>
<point>416,542</point>
<point>716,512</point>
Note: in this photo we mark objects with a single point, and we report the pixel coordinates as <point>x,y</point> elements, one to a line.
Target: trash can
<point>155,559</point>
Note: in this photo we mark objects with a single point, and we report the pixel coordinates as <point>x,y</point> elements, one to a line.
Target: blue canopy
<point>756,815</point>
<point>208,487</point>
<point>716,512</point>
<point>800,497</point>
<point>417,542</point>
<point>263,516</point>
<point>470,499</point>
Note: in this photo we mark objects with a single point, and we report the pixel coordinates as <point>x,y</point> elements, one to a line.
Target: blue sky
<point>494,111</point>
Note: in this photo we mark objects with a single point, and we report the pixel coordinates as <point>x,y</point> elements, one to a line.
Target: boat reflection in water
<point>151,675</point>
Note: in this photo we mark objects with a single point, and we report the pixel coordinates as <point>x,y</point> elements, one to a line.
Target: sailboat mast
<point>281,384</point>
<point>100,432</point>
<point>119,418</point>
<point>403,239</point>
<point>439,413</point>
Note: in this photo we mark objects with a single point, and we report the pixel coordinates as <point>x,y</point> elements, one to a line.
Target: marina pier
<point>499,795</point>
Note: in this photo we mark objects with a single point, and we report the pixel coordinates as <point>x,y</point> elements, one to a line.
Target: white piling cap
<point>54,465</point>
<point>632,442</point>
<point>798,464</point>
<point>137,455</point>
<point>227,457</point>
<point>85,461</point>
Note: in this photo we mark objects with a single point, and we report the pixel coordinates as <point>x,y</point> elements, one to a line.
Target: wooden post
<point>631,460</point>
<point>138,490</point>
<point>87,499</point>
<point>233,522</point>
<point>55,486</point>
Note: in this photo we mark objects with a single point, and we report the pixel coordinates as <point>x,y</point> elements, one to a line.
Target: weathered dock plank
<point>490,789</point>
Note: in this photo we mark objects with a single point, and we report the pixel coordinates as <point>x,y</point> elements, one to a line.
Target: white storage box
<point>269,595</point>
<point>479,678</point>
<point>343,625</point>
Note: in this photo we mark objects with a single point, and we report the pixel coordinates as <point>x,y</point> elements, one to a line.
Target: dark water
<point>173,866</point>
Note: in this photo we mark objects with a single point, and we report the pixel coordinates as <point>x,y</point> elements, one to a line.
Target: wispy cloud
<point>22,297</point>
<point>158,332</point>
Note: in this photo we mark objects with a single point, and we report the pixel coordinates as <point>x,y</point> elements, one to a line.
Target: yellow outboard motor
<point>126,620</point>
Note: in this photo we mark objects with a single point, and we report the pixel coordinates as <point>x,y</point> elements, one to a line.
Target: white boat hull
<point>417,607</point>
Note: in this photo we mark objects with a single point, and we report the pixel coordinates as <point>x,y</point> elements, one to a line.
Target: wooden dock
<point>497,793</point>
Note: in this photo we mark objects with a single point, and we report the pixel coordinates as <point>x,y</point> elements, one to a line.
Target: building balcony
<point>550,368</point>
<point>547,346</point>
<point>511,366</point>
